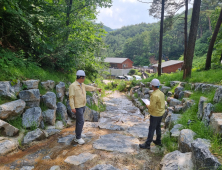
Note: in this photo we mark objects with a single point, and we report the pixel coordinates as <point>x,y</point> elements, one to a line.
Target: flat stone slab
<point>91,125</point>
<point>27,168</point>
<point>104,167</point>
<point>111,126</point>
<point>80,159</point>
<point>67,140</point>
<point>139,130</point>
<point>116,142</point>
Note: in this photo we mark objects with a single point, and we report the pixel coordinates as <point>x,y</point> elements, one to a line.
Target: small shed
<point>119,63</point>
<point>169,66</point>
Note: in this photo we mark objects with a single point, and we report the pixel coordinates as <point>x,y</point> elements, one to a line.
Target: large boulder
<point>201,104</point>
<point>206,88</point>
<point>32,117</point>
<point>59,125</point>
<point>17,86</point>
<point>178,108</point>
<point>12,109</point>
<point>31,84</point>
<point>174,102</point>
<point>60,91</point>
<point>50,132</point>
<point>176,160</point>
<point>208,109</point>
<point>186,137</point>
<point>69,111</point>
<point>171,119</point>
<point>175,131</point>
<point>177,92</point>
<point>31,97</point>
<point>216,123</point>
<point>174,83</point>
<point>48,85</point>
<point>91,115</point>
<point>187,94</point>
<point>35,135</point>
<point>198,86</point>
<point>218,95</point>
<point>165,89</point>
<point>8,129</point>
<point>62,111</point>
<point>49,100</point>
<point>145,90</point>
<point>202,157</point>
<point>6,89</point>
<point>49,116</point>
<point>7,146</point>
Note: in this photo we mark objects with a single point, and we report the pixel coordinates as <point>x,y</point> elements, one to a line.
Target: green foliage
<point>218,107</point>
<point>121,86</point>
<point>132,72</point>
<point>58,116</point>
<point>42,90</point>
<point>60,35</point>
<point>5,99</point>
<point>136,95</point>
<point>167,84</point>
<point>99,108</point>
<point>169,143</point>
<point>43,106</point>
<point>17,122</point>
<point>89,94</point>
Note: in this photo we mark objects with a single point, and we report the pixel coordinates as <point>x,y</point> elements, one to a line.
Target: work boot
<point>157,143</point>
<point>144,146</point>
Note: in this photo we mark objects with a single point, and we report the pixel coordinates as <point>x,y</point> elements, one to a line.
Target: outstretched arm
<point>91,88</point>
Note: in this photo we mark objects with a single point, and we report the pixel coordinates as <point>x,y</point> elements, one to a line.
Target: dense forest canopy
<point>141,41</point>
<point>57,34</point>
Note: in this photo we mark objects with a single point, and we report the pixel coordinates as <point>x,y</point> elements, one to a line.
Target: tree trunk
<point>161,39</point>
<point>220,58</point>
<point>212,41</point>
<point>201,31</point>
<point>192,38</point>
<point>185,33</point>
<point>69,8</point>
<point>209,24</point>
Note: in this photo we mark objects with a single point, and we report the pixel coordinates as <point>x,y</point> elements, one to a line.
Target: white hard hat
<point>80,73</point>
<point>155,82</point>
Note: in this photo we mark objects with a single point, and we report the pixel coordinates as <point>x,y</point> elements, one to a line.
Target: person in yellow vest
<point>77,101</point>
<point>156,110</point>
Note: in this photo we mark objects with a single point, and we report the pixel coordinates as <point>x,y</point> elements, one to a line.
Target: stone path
<point>111,144</point>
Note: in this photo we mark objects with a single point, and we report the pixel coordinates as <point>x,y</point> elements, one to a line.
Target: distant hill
<point>108,29</point>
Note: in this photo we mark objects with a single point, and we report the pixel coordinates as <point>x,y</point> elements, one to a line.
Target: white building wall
<point>118,72</point>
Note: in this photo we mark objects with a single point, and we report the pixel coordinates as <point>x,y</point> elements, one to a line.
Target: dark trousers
<point>155,125</point>
<point>79,121</point>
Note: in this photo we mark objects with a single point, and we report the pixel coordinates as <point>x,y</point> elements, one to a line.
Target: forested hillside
<point>58,36</point>
<point>140,42</point>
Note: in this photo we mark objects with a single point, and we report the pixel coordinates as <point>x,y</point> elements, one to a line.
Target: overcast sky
<point>124,13</point>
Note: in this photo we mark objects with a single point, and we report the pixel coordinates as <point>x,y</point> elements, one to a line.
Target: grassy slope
<point>34,72</point>
<point>213,76</point>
